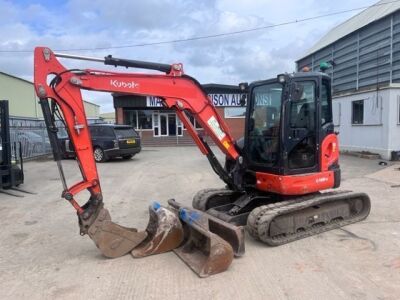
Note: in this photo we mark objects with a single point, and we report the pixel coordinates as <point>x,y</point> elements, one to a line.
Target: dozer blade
<point>164,232</point>
<point>234,235</point>
<point>112,239</point>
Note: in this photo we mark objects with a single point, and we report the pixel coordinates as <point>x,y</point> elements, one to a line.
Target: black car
<point>108,141</point>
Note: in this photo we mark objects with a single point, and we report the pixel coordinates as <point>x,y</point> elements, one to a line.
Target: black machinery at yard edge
<point>11,163</point>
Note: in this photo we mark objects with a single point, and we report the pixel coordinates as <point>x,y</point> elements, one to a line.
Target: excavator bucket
<point>205,252</point>
<point>164,232</point>
<point>112,239</point>
<point>234,235</point>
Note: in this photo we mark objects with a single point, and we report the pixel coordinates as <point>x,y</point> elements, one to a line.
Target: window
<point>179,126</point>
<point>123,132</point>
<point>156,126</point>
<point>130,118</point>
<point>265,124</point>
<point>326,112</point>
<point>93,131</point>
<point>235,112</point>
<point>139,119</point>
<point>101,131</point>
<point>145,119</point>
<point>302,112</point>
<point>302,133</point>
<point>357,112</point>
<point>193,120</point>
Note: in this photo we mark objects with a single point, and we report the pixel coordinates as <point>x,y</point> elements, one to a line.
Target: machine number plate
<point>131,141</point>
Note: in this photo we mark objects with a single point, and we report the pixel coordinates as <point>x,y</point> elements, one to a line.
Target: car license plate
<point>131,141</point>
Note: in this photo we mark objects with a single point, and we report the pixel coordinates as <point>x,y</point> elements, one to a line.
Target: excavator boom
<point>59,89</point>
<point>178,91</point>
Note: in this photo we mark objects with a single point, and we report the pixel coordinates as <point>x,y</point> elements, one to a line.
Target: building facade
<point>23,102</point>
<point>108,117</point>
<point>159,126</point>
<point>364,54</point>
<point>26,118</point>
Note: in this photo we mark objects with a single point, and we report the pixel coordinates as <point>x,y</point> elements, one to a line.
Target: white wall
<point>373,135</point>
<point>394,130</point>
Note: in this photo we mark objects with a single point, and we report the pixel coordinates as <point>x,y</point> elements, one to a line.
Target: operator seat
<point>303,154</point>
<point>305,118</point>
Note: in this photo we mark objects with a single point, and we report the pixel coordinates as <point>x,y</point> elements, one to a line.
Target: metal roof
<point>15,77</point>
<point>375,12</point>
<point>30,82</point>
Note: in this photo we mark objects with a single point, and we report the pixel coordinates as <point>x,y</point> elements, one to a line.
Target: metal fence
<point>31,135</point>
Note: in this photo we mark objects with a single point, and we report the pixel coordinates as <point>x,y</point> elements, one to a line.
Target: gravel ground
<point>42,255</point>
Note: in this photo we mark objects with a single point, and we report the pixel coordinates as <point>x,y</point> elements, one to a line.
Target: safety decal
<point>213,123</point>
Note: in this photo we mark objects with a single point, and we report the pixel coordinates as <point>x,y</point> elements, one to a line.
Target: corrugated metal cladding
<point>365,58</point>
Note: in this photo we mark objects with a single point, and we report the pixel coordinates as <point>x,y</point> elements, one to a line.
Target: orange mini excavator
<point>274,175</point>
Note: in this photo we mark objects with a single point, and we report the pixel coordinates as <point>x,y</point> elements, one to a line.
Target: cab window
<point>265,124</point>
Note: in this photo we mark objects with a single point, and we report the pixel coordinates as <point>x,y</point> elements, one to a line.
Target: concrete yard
<point>42,255</point>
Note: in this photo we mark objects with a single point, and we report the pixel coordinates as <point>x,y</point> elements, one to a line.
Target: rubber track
<point>200,199</point>
<point>260,218</point>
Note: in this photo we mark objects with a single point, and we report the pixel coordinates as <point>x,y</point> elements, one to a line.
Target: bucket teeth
<point>164,232</point>
<point>112,239</point>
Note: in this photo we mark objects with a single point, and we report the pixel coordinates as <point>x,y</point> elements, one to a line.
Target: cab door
<point>301,137</point>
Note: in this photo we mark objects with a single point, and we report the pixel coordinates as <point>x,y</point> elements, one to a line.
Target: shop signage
<point>153,102</point>
<point>225,100</point>
<point>217,100</point>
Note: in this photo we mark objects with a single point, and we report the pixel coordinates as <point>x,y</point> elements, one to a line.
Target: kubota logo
<point>123,84</point>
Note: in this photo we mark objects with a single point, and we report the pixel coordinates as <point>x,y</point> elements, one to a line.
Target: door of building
<point>171,124</point>
<point>167,124</point>
<point>164,125</point>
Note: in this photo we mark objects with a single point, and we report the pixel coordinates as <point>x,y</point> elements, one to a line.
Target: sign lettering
<point>154,102</point>
<point>217,100</point>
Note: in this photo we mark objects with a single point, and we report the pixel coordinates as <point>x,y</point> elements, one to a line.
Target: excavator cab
<point>289,154</point>
<point>288,118</point>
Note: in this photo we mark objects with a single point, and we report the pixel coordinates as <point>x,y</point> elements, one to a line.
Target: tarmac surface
<point>42,255</point>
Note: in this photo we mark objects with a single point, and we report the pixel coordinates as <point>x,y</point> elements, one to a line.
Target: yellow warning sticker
<point>226,144</point>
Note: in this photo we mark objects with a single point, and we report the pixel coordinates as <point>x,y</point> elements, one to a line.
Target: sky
<point>227,60</point>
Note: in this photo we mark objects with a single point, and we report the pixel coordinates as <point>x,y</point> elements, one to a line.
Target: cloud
<point>103,23</point>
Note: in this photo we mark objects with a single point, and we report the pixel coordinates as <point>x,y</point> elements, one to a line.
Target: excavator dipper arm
<point>63,88</point>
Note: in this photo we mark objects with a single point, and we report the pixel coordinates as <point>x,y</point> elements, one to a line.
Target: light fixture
<point>243,86</point>
<point>282,78</point>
